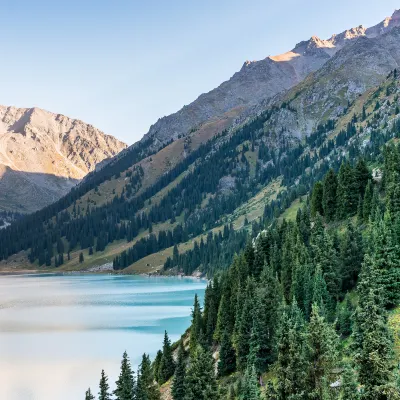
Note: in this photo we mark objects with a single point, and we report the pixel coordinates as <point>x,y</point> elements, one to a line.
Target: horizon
<point>99,70</point>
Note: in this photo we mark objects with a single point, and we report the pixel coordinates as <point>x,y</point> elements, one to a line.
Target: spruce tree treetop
<point>126,385</point>
<point>89,395</point>
<point>146,389</point>
<point>104,393</point>
<point>167,364</point>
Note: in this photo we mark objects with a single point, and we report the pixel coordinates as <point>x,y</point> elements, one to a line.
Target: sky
<point>120,65</point>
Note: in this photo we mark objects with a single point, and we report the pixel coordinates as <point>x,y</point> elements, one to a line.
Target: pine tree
<point>361,176</point>
<point>81,258</point>
<point>386,254</point>
<point>317,199</point>
<point>178,385</point>
<point>250,389</point>
<point>197,325</point>
<point>126,386</point>
<point>320,293</point>
<point>200,382</point>
<point>344,317</point>
<point>323,345</point>
<point>225,318</point>
<point>156,365</point>
<point>291,365</point>
<point>372,340</point>
<point>227,356</point>
<point>347,191</point>
<point>146,389</point>
<point>349,386</point>
<point>266,313</point>
<point>329,195</point>
<point>245,324</point>
<point>210,314</point>
<point>104,393</point>
<point>89,395</point>
<point>167,365</point>
<point>351,256</point>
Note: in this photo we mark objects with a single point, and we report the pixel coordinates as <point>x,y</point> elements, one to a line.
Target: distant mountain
<point>43,155</point>
<point>261,80</point>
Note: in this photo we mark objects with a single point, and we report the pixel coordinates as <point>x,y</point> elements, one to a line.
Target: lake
<point>58,331</point>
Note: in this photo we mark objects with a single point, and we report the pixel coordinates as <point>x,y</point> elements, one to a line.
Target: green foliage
<point>244,326</point>
<point>373,343</point>
<point>317,199</point>
<point>227,356</point>
<point>197,325</point>
<point>89,395</point>
<point>329,195</point>
<point>250,389</point>
<point>291,366</point>
<point>146,389</point>
<point>104,392</point>
<point>200,381</point>
<point>178,384</point>
<point>167,364</point>
<point>349,385</point>
<point>322,353</point>
<point>126,385</point>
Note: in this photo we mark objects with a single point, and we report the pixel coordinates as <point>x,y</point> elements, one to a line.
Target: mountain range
<point>236,155</point>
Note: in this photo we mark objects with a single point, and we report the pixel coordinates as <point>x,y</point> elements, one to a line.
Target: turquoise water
<point>58,332</point>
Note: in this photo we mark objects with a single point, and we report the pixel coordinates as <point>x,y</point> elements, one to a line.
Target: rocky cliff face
<point>261,80</point>
<point>42,155</point>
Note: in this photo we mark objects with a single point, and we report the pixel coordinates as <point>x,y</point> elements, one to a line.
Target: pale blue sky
<point>120,65</point>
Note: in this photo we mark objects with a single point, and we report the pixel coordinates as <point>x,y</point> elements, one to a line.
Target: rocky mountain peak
<point>386,25</point>
<point>43,154</point>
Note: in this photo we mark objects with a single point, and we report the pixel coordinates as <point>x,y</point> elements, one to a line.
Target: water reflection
<point>58,332</point>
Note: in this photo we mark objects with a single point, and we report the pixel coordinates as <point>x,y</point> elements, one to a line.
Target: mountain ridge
<point>46,152</point>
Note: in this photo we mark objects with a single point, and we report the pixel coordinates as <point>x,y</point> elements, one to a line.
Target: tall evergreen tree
<point>347,192</point>
<point>89,395</point>
<point>329,195</point>
<point>373,343</point>
<point>361,176</point>
<point>291,367</point>
<point>178,384</point>
<point>386,254</point>
<point>349,386</point>
<point>167,364</point>
<point>245,324</point>
<point>227,356</point>
<point>351,256</point>
<point>146,389</point>
<point>317,199</point>
<point>104,393</point>
<point>200,382</point>
<point>197,325</point>
<point>323,353</point>
<point>250,389</point>
<point>126,385</point>
<point>156,365</point>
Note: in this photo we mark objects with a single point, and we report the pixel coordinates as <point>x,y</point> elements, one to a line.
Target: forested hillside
<point>204,201</point>
<point>302,312</point>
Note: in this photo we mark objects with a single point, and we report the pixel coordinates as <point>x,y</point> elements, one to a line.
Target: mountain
<point>261,80</point>
<point>43,155</point>
<point>160,203</point>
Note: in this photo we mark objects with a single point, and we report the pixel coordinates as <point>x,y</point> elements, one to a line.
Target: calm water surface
<point>58,332</point>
